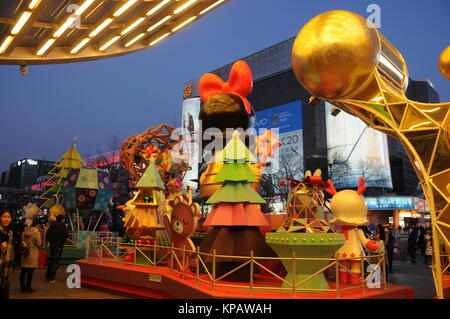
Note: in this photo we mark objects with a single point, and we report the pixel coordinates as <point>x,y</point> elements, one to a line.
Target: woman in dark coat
<point>32,237</point>
<point>390,247</point>
<point>6,253</point>
<point>412,243</point>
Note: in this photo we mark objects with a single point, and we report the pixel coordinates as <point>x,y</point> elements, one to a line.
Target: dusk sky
<point>42,111</point>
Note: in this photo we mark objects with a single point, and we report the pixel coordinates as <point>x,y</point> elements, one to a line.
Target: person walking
<point>7,252</point>
<point>380,238</point>
<point>428,247</point>
<point>56,236</point>
<point>389,246</point>
<point>421,243</point>
<point>412,242</point>
<point>31,239</point>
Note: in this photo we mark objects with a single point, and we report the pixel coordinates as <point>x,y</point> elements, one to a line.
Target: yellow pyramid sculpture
<point>70,159</point>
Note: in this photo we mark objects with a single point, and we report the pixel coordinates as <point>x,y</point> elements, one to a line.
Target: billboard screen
<point>355,150</point>
<point>190,121</point>
<point>390,202</point>
<point>288,119</point>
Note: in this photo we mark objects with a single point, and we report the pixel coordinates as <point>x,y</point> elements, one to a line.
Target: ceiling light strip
<point>124,8</point>
<point>71,19</point>
<point>135,40</point>
<point>159,39</point>
<point>132,26</point>
<point>64,27</point>
<point>158,7</point>
<point>80,45</point>
<point>109,43</point>
<point>157,24</point>
<point>84,7</point>
<point>45,47</point>
<point>6,43</point>
<point>103,25</point>
<point>185,6</point>
<point>33,4</point>
<point>178,27</point>
<point>24,17</point>
<point>211,7</point>
<point>21,22</point>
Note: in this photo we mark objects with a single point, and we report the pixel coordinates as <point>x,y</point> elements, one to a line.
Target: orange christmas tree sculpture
<point>142,218</point>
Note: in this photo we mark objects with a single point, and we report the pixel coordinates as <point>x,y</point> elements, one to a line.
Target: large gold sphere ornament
<point>444,63</point>
<point>335,53</point>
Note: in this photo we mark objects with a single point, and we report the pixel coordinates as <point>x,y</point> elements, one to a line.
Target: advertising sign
<point>190,122</point>
<point>356,150</point>
<point>288,119</point>
<point>390,202</point>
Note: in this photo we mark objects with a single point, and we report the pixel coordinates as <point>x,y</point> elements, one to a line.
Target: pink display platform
<point>161,283</point>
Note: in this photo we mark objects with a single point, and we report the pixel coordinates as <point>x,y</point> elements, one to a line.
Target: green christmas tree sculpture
<point>69,160</point>
<point>236,214</point>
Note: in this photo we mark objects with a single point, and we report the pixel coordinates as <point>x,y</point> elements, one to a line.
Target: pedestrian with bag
<point>428,247</point>
<point>30,242</point>
<point>6,252</point>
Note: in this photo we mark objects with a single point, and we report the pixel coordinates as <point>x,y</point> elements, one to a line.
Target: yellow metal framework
<point>423,130</point>
<point>341,58</point>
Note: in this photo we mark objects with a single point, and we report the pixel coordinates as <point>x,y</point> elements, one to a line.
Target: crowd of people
<point>25,241</point>
<point>418,236</point>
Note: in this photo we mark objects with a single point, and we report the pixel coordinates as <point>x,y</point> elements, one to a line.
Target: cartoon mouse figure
<point>349,209</point>
<point>224,103</point>
<point>182,223</point>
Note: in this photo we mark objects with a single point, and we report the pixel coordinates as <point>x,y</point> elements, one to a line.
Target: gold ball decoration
<point>335,53</point>
<point>444,63</point>
<point>446,128</point>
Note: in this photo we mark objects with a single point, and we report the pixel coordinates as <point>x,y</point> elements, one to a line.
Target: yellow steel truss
<point>423,129</point>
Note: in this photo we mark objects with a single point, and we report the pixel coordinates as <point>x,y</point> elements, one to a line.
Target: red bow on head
<point>240,82</point>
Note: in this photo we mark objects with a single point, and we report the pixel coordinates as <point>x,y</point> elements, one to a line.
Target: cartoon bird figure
<point>349,209</point>
<point>181,224</point>
<point>56,209</point>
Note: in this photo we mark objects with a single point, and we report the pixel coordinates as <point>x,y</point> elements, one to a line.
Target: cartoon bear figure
<point>181,224</point>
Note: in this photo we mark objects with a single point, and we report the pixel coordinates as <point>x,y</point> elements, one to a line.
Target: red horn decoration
<point>361,187</point>
<point>240,83</point>
<point>282,182</point>
<point>330,187</point>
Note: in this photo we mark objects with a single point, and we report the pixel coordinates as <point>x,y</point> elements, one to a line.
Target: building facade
<point>24,173</point>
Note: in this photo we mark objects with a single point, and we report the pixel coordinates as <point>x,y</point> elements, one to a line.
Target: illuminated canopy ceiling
<point>63,31</point>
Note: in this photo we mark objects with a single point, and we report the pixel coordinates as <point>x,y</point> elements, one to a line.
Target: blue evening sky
<point>41,112</point>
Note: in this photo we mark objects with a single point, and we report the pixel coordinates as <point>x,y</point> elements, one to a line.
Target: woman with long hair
<point>31,237</point>
<point>7,252</point>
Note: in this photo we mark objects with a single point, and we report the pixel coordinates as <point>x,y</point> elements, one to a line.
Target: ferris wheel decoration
<point>155,144</point>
